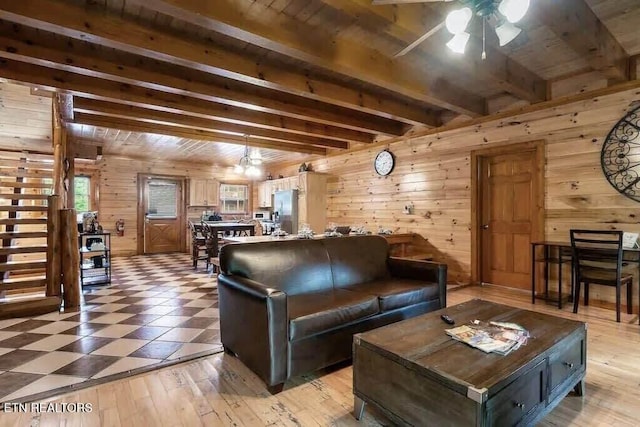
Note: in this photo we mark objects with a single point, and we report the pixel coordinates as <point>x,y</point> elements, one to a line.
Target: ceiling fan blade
<point>420,40</point>
<point>378,2</point>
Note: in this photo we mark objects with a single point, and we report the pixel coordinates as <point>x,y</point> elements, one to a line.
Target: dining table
<point>228,227</point>
<point>560,253</point>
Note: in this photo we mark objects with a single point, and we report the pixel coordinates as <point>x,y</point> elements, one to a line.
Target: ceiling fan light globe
<point>457,20</point>
<point>507,32</point>
<point>238,169</point>
<point>459,42</point>
<point>513,10</point>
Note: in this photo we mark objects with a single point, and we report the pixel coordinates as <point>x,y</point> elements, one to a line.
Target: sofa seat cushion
<point>313,313</point>
<point>397,293</point>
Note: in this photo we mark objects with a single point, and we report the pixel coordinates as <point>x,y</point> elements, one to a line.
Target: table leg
<point>573,281</point>
<point>533,274</point>
<point>546,271</point>
<point>580,389</point>
<point>358,407</point>
<point>560,278</point>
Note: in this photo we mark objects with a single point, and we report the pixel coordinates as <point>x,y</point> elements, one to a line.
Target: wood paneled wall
<point>433,173</point>
<point>25,120</point>
<point>118,193</point>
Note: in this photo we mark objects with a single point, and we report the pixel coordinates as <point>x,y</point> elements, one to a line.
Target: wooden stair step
<point>23,283</point>
<point>12,208</point>
<point>11,250</point>
<point>24,173</point>
<point>23,196</point>
<point>15,184</point>
<point>29,307</point>
<point>21,221</point>
<point>22,235</point>
<point>22,265</point>
<point>28,157</point>
<point>28,164</point>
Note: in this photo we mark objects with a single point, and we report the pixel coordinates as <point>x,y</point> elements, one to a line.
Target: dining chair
<point>597,259</point>
<point>211,242</point>
<point>198,244</point>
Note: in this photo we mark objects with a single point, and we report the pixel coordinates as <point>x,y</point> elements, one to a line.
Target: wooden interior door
<point>507,222</point>
<point>163,215</point>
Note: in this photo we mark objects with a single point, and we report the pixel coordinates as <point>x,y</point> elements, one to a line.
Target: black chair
<point>198,245</point>
<point>211,239</point>
<point>597,259</point>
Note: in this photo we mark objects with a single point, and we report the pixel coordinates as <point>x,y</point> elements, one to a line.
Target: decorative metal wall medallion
<point>620,157</point>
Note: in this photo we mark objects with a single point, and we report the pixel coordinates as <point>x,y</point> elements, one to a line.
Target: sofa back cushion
<point>357,259</point>
<point>293,266</point>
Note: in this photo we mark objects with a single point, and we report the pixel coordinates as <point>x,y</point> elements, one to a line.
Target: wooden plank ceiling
<point>196,80</point>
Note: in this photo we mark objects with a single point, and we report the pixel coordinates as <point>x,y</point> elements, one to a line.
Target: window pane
<point>233,198</point>
<point>162,198</point>
<point>82,192</point>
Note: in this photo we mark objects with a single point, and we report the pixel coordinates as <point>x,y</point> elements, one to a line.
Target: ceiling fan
<point>505,13</point>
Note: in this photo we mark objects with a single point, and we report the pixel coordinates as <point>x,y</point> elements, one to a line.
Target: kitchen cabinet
<point>266,189</point>
<point>264,194</point>
<point>312,197</point>
<point>312,200</point>
<point>204,192</point>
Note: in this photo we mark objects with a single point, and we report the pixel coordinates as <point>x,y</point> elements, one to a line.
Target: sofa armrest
<point>254,325</point>
<point>421,270</point>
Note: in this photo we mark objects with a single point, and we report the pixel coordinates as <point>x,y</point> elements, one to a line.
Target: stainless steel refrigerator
<point>285,210</point>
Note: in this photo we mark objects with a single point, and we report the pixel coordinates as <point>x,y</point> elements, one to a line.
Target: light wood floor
<point>219,390</point>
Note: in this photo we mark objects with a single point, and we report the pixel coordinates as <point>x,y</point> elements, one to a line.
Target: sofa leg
<point>275,389</point>
<point>358,407</point>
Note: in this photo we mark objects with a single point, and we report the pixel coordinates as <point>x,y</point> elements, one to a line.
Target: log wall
<point>433,174</point>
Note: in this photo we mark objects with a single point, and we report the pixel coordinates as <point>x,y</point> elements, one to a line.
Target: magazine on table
<point>492,337</point>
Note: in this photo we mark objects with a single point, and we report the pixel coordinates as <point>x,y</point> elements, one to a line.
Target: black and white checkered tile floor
<point>158,310</point>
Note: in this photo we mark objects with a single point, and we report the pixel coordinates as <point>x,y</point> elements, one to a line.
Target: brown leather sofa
<point>291,307</point>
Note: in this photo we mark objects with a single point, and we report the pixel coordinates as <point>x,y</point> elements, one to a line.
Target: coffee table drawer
<point>566,363</point>
<point>511,405</point>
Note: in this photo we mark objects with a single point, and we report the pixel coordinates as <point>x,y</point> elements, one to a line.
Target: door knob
<point>485,226</point>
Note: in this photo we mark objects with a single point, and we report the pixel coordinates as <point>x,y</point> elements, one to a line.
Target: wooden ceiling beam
<point>576,24</point>
<point>91,87</point>
<point>84,23</point>
<point>407,24</point>
<point>196,134</point>
<point>35,47</point>
<point>103,108</point>
<point>287,36</point>
<point>65,107</point>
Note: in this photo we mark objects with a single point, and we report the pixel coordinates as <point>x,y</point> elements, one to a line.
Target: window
<point>82,191</point>
<point>162,198</point>
<point>233,198</point>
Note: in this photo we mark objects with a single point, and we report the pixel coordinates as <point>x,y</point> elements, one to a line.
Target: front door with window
<point>163,216</point>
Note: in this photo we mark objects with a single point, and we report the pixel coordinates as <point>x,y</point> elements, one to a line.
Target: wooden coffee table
<point>416,374</point>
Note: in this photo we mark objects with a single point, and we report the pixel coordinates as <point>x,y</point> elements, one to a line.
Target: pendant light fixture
<point>248,165</point>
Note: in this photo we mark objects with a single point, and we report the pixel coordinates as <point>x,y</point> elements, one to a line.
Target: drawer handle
<point>520,405</point>
<point>568,365</point>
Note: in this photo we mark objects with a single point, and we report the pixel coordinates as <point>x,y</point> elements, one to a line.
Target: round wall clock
<point>384,162</point>
<point>620,156</point>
